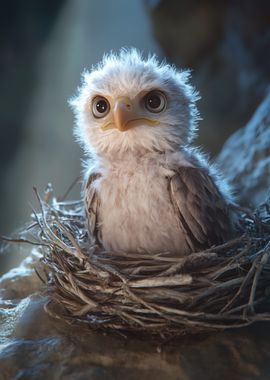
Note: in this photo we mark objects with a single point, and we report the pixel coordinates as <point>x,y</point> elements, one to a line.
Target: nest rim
<point>222,287</point>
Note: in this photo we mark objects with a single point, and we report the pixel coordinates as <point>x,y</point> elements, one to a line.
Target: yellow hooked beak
<point>127,116</point>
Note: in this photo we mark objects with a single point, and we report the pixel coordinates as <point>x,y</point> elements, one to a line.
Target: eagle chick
<point>146,188</point>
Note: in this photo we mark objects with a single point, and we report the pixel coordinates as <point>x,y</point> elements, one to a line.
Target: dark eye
<point>155,101</point>
<point>100,106</point>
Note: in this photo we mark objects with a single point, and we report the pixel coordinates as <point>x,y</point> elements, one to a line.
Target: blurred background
<point>45,45</point>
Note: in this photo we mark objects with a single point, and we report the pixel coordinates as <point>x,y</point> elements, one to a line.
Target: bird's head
<point>127,103</point>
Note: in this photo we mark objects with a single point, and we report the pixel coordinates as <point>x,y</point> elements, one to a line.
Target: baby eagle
<point>146,188</point>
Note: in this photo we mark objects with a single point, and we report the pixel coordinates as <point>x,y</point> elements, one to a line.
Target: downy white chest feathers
<point>135,211</point>
<point>146,188</point>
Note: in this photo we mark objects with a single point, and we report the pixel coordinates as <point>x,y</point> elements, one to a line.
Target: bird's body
<point>146,188</point>
<point>135,208</point>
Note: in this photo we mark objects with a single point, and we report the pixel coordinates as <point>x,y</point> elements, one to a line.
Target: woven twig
<point>223,287</point>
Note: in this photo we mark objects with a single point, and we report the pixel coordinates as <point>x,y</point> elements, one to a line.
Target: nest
<point>226,286</point>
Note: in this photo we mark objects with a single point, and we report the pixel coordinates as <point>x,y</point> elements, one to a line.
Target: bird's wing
<point>91,201</point>
<point>202,211</point>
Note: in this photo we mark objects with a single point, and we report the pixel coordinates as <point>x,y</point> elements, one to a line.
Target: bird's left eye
<point>100,106</point>
<point>155,101</point>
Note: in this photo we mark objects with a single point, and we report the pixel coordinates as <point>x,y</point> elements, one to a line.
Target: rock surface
<point>35,346</point>
<point>245,158</point>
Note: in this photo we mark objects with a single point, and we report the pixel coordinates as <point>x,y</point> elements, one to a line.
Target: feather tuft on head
<point>125,75</point>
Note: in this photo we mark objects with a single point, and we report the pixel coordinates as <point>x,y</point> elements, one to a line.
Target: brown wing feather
<point>203,212</point>
<point>91,202</point>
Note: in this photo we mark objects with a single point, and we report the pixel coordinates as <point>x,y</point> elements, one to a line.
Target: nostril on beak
<point>124,103</point>
<point>128,105</point>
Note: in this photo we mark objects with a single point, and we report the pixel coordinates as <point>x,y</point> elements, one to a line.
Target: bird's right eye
<point>100,107</point>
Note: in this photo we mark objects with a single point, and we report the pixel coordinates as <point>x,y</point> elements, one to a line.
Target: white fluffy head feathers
<point>128,78</point>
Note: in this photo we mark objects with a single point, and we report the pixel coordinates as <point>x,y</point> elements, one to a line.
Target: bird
<point>147,187</point>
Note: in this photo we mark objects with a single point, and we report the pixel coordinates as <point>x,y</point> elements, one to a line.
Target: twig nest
<point>226,286</point>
